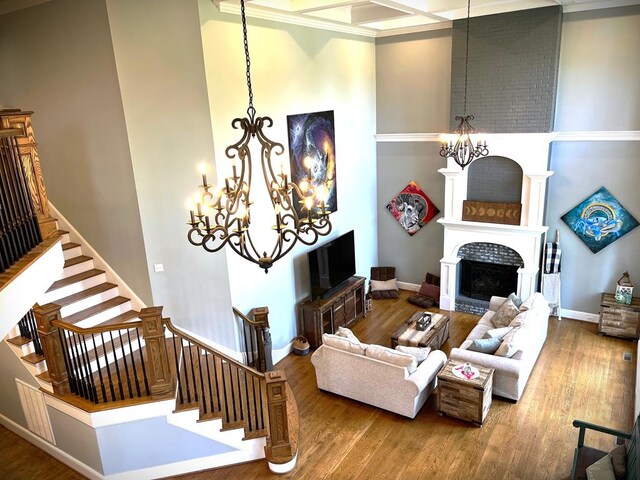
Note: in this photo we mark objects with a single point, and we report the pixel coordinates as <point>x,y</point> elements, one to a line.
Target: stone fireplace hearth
<point>531,153</point>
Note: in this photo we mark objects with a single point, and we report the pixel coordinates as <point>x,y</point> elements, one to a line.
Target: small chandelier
<point>222,215</point>
<point>463,151</point>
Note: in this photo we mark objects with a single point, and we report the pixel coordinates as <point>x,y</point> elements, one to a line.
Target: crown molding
<point>583,136</point>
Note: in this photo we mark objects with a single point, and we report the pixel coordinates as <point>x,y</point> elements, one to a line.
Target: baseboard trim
<point>581,316</point>
<point>51,449</point>
<point>412,287</point>
<point>564,312</point>
<point>279,354</point>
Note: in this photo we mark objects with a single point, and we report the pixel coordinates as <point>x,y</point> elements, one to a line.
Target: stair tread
<point>33,358</point>
<point>19,341</point>
<point>95,309</point>
<point>89,292</point>
<point>122,318</point>
<point>69,245</point>
<point>76,260</point>
<point>65,282</point>
<point>44,376</point>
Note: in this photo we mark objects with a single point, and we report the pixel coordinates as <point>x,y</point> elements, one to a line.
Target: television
<point>331,264</point>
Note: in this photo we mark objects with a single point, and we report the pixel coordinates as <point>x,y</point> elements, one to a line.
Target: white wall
<point>294,70</point>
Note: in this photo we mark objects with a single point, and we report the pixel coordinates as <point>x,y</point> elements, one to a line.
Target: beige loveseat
<point>511,374</point>
<point>345,369</point>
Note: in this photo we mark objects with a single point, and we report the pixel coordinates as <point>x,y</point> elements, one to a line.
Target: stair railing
<point>152,359</point>
<point>29,330</point>
<point>256,338</point>
<point>19,229</point>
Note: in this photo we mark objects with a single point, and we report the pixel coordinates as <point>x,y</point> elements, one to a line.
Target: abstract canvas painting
<point>412,208</point>
<point>312,155</point>
<point>599,220</point>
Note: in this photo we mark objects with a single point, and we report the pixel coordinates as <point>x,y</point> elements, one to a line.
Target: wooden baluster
<point>52,347</point>
<point>161,382</point>
<point>278,443</point>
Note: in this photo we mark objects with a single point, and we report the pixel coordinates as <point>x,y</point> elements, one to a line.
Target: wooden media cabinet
<point>340,309</point>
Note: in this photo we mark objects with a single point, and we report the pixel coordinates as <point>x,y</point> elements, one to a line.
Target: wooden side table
<point>619,319</point>
<point>464,399</point>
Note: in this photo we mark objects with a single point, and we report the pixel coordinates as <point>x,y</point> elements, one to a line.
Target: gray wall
<point>58,61</point>
<point>161,74</point>
<point>513,66</point>
<point>413,81</point>
<point>597,90</point>
<point>12,368</point>
<point>76,439</point>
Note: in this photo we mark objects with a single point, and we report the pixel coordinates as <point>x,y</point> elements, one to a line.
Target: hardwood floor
<point>578,375</point>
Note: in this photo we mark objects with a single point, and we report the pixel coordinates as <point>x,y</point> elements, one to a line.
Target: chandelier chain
<point>466,58</point>
<point>246,56</point>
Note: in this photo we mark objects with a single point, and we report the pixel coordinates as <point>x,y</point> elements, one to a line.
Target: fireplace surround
<point>525,239</point>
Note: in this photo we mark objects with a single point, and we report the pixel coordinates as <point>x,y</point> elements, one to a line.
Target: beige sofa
<point>348,371</point>
<point>511,374</point>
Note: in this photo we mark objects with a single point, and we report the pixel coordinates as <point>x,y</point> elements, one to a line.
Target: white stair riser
<point>36,369</point>
<point>77,287</point>
<point>72,252</point>
<point>66,238</point>
<point>75,269</point>
<point>106,315</point>
<point>45,385</point>
<point>88,302</point>
<point>22,350</point>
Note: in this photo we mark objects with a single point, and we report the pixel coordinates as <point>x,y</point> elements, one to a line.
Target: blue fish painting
<point>599,220</point>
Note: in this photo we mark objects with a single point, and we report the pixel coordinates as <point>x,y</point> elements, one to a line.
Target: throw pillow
<point>387,355</point>
<point>485,345</point>
<point>347,333</point>
<point>497,332</point>
<point>431,291</point>
<point>511,342</point>
<point>420,354</point>
<point>619,462</point>
<point>384,285</point>
<point>505,314</point>
<point>517,301</point>
<point>342,343</point>
<point>601,470</point>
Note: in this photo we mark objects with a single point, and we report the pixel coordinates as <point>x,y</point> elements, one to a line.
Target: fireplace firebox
<point>482,280</point>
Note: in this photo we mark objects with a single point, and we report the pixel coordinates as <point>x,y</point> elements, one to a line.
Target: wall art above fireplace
<point>599,220</point>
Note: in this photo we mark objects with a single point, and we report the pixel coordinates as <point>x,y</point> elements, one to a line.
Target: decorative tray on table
<point>465,371</point>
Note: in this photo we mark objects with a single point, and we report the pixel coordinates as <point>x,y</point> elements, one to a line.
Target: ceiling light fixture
<point>222,215</point>
<point>463,151</point>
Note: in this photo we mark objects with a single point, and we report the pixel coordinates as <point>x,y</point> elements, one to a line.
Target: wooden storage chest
<point>618,319</point>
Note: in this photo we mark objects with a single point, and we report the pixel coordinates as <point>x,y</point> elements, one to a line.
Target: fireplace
<point>523,241</point>
<point>481,280</point>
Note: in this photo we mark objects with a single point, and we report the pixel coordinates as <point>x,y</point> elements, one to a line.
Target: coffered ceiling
<point>377,18</point>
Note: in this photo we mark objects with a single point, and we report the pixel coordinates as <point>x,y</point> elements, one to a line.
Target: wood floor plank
<point>578,375</point>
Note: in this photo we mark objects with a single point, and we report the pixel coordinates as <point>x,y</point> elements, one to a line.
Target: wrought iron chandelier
<point>222,215</point>
<point>463,151</point>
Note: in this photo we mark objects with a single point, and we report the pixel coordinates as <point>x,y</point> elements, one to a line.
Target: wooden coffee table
<point>434,337</point>
<point>464,399</point>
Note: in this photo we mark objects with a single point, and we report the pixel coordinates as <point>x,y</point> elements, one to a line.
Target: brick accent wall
<point>513,70</point>
<point>490,253</point>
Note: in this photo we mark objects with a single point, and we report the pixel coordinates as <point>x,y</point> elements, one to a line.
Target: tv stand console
<point>340,309</point>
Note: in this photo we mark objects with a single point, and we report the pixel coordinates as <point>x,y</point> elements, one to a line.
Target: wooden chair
<point>383,274</point>
<point>585,455</point>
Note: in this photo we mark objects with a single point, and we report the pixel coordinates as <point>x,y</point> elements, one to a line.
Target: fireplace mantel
<point>531,153</point>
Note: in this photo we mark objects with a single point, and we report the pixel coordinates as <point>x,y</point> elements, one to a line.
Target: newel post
<point>261,317</point>
<point>279,444</point>
<point>160,379</point>
<point>52,346</point>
